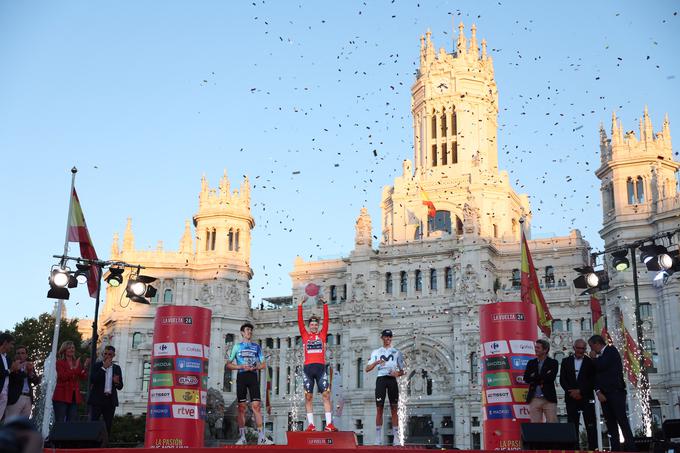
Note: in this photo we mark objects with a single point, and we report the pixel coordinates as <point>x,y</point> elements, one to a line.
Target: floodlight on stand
<point>620,260</point>
<point>114,277</point>
<point>59,280</point>
<point>82,272</point>
<point>139,289</point>
<point>591,280</point>
<point>657,258</point>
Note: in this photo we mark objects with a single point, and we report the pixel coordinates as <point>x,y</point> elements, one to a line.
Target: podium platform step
<point>339,439</point>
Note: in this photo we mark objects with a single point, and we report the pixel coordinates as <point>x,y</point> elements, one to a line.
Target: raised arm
<point>301,322</point>
<point>326,321</point>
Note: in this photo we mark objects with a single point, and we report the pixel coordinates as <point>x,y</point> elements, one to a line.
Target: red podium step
<point>338,439</point>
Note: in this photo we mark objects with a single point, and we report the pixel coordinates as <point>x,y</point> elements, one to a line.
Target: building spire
<point>429,48</point>
<point>615,129</point>
<point>649,130</point>
<point>474,49</point>
<point>461,46</point>
<point>224,185</point>
<point>115,250</point>
<point>186,243</point>
<point>128,237</point>
<point>484,57</point>
<point>422,50</point>
<point>666,130</point>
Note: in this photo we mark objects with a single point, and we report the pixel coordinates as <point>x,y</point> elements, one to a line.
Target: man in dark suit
<point>6,345</point>
<point>21,380</point>
<point>577,378</point>
<point>540,374</point>
<point>611,391</point>
<point>105,381</point>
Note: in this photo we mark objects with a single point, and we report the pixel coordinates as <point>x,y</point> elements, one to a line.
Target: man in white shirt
<point>6,345</point>
<point>105,381</point>
<point>21,380</point>
<point>390,363</point>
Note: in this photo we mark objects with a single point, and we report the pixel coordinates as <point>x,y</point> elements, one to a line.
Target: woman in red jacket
<point>69,374</point>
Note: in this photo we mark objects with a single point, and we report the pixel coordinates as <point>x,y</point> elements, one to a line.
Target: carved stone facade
<point>428,275</point>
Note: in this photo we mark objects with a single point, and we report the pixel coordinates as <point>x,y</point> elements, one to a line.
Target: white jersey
<point>394,361</point>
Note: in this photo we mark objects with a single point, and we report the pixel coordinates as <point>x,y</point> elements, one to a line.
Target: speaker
<point>549,436</point>
<point>79,435</point>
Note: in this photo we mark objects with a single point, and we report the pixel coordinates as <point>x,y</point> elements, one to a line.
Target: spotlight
<point>656,257</point>
<point>591,280</point>
<point>139,289</point>
<point>115,276</point>
<point>82,272</point>
<point>61,279</point>
<point>620,261</point>
<point>648,252</point>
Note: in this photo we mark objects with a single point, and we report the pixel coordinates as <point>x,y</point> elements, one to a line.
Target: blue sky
<point>145,97</point>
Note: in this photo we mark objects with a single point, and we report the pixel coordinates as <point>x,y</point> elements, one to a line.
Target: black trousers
<point>574,410</point>
<point>104,410</point>
<point>614,411</point>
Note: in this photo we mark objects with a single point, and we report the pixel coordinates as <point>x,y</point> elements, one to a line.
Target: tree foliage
<point>36,334</point>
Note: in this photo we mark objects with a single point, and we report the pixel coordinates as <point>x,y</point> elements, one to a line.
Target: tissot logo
<point>499,396</point>
<point>500,317</point>
<point>176,320</point>
<point>160,396</point>
<point>187,379</point>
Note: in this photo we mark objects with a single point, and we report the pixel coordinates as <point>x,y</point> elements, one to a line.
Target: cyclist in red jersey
<point>314,345</point>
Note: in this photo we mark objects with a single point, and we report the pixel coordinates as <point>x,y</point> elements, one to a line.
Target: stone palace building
<point>427,276</point>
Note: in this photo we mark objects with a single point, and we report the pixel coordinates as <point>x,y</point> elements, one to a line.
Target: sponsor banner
<point>519,362</point>
<point>186,396</point>
<point>162,364</point>
<point>161,380</point>
<point>497,380</point>
<point>206,351</point>
<point>496,363</point>
<point>507,335</point>
<point>520,395</point>
<point>190,349</point>
<point>521,411</point>
<point>204,397</point>
<point>187,380</point>
<point>496,347</point>
<point>500,395</point>
<point>160,395</point>
<point>522,346</point>
<point>159,411</point>
<point>185,411</point>
<point>179,338</point>
<point>498,412</point>
<point>188,365</point>
<point>164,349</point>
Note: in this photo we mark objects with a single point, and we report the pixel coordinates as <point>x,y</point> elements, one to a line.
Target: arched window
<point>440,222</point>
<point>610,195</point>
<point>454,138</point>
<point>212,240</point>
<point>442,120</point>
<point>549,277</point>
<point>403,281</point>
<point>459,226</point>
<point>136,340</point>
<point>167,295</point>
<point>227,381</point>
<point>585,324</point>
<point>448,277</point>
<point>557,325</point>
<point>568,325</point>
<point>630,188</point>
<point>434,125</point>
<point>230,237</point>
<point>334,293</point>
<point>419,280</point>
<point>207,240</point>
<point>516,278</point>
<point>237,244</point>
<point>513,223</point>
<point>434,155</point>
<point>146,375</point>
<point>360,373</point>
<point>640,190</point>
<point>495,230</point>
<point>433,279</point>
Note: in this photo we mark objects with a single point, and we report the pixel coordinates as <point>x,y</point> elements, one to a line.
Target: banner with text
<point>175,417</point>
<point>507,335</point>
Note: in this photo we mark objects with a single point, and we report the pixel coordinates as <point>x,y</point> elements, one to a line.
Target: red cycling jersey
<point>314,344</point>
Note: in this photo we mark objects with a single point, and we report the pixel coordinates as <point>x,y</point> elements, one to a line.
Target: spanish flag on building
<point>531,290</point>
<point>631,355</point>
<point>599,327</point>
<point>431,211</point>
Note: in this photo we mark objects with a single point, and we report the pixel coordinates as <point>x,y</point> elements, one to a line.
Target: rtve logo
<point>185,411</point>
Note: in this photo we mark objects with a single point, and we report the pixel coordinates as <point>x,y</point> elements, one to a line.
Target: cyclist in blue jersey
<point>246,357</point>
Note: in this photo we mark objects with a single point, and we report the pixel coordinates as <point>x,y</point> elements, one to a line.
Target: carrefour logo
<point>188,365</point>
<point>188,380</point>
<point>520,362</point>
<point>497,380</point>
<point>496,363</point>
<point>497,412</point>
<point>190,349</point>
<point>160,396</point>
<point>162,365</point>
<point>522,346</point>
<point>496,347</point>
<point>160,411</point>
<point>161,380</point>
<point>501,395</point>
<point>163,349</point>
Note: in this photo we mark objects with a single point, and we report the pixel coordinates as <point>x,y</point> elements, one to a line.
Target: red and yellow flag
<point>431,211</point>
<point>631,355</point>
<point>599,327</point>
<point>531,290</point>
<point>77,232</point>
<point>268,392</point>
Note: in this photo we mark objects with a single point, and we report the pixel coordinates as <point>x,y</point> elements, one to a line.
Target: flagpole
<point>50,363</point>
